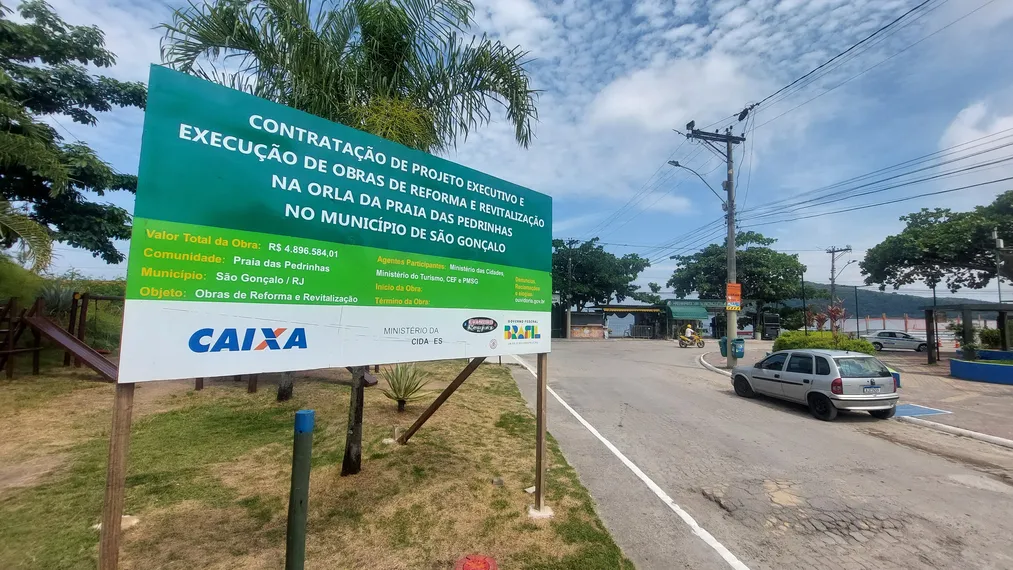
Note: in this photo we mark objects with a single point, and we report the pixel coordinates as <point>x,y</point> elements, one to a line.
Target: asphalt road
<point>773,486</point>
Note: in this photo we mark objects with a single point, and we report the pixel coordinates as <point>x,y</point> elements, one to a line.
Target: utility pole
<point>998,262</point>
<point>569,289</point>
<point>730,140</point>
<point>835,254</point>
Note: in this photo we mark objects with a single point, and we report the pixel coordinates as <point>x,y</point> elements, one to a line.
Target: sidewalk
<point>976,406</point>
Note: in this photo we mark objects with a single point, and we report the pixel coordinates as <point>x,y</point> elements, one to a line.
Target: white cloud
<point>705,88</point>
<point>564,227</point>
<point>974,122</point>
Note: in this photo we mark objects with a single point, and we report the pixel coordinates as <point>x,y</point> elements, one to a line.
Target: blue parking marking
<point>916,410</point>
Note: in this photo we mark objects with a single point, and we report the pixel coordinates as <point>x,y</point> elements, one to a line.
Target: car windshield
<point>861,367</point>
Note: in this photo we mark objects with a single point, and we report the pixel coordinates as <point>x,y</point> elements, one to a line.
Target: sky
<point>620,79</point>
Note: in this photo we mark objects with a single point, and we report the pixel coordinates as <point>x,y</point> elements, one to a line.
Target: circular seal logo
<point>493,343</point>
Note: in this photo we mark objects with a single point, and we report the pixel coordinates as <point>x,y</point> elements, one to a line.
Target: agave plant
<point>58,296</point>
<point>404,384</point>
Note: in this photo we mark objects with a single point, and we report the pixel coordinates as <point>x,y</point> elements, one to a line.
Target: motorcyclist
<point>689,332</point>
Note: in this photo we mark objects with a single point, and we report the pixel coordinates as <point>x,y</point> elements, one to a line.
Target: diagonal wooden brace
<point>472,366</point>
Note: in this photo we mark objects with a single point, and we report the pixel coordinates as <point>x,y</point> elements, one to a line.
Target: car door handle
<point>777,375</point>
<point>805,380</point>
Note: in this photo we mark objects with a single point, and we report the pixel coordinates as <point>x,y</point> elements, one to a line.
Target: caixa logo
<point>234,340</point>
<point>515,332</point>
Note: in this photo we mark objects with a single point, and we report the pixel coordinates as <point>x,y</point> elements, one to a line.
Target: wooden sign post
<point>116,478</point>
<point>543,374</point>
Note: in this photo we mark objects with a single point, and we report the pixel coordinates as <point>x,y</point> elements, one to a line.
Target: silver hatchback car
<point>896,340</point>
<point>825,380</point>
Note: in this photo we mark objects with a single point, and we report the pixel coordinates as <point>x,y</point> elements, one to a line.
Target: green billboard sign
<point>268,239</point>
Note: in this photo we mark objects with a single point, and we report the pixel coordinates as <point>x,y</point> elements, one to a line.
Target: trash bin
<point>896,377</point>
<point>723,345</point>
<point>739,348</point>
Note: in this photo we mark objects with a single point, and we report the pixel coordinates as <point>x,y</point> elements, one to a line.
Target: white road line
<point>698,530</point>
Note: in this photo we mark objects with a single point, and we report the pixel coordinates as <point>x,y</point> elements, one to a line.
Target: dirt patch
<point>192,535</point>
<point>29,472</point>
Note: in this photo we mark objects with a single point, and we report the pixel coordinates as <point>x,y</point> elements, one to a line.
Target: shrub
<point>405,383</point>
<point>990,338</point>
<point>816,339</point>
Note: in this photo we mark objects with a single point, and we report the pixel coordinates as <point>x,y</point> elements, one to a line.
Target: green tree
<point>395,68</point>
<point>767,276</point>
<point>584,273</point>
<point>939,245</point>
<point>24,145</point>
<point>652,297</point>
<point>44,65</point>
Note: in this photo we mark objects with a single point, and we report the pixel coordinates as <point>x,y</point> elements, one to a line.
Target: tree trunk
<point>285,386</point>
<point>352,462</point>
<point>400,405</point>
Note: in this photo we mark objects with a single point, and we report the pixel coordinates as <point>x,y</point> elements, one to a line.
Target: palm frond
<point>385,66</point>
<point>466,77</point>
<point>34,236</point>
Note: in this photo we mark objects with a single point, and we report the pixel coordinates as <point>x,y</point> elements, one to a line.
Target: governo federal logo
<point>243,340</point>
<point>517,332</point>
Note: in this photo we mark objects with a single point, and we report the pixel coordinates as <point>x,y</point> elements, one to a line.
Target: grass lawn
<point>208,478</point>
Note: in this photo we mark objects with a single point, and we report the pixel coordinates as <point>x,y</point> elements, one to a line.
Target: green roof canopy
<point>689,312</point>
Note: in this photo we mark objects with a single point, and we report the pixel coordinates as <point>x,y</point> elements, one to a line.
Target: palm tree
<point>398,69</point>
<point>27,144</point>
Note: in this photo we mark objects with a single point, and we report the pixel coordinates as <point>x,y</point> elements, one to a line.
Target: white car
<point>825,380</point>
<point>896,340</point>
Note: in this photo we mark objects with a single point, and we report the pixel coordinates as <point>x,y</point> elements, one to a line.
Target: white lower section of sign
<point>167,340</point>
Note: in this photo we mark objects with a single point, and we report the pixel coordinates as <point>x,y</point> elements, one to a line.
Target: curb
<point>710,366</point>
<point>995,440</point>
<point>960,431</point>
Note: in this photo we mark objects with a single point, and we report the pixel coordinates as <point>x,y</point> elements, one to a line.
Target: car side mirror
<point>758,365</point>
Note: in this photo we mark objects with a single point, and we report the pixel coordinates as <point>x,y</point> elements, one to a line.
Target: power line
<point>658,199</point>
<point>749,174</point>
<point>843,53</point>
<point>608,219</point>
<point>910,162</point>
<point>865,206</point>
<point>854,55</point>
<point>691,234</point>
<point>824,201</point>
<point>866,70</point>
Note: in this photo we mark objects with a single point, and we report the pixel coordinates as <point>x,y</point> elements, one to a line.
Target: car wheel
<point>883,414</point>
<point>921,347</point>
<point>742,387</point>
<point>822,408</point>
<point>877,346</point>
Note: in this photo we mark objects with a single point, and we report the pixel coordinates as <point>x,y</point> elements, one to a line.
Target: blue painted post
<point>298,499</point>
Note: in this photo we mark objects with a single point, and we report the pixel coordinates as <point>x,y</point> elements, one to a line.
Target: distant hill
<point>875,303</point>
<point>894,304</point>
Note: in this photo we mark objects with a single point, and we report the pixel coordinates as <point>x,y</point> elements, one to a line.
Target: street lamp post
<point>731,317</point>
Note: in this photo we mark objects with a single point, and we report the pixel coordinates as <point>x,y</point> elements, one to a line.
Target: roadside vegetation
<point>821,339</point>
<point>208,478</point>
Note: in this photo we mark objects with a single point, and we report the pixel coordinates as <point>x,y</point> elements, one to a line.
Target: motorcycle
<point>685,341</point>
